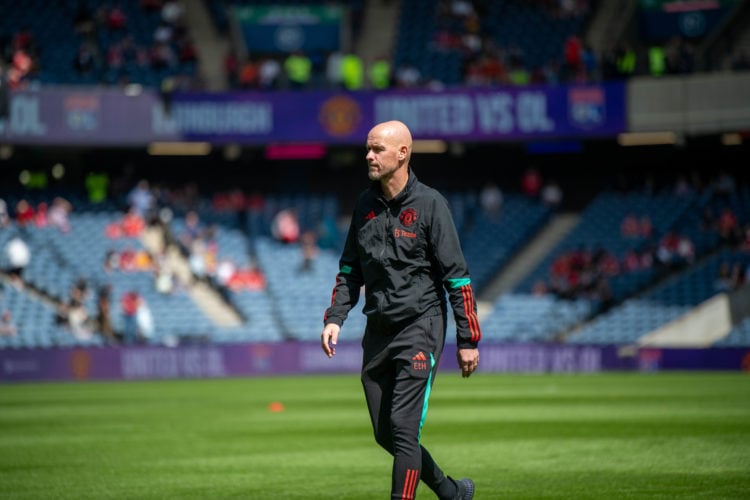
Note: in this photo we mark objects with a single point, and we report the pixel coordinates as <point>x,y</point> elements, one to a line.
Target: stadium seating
<point>489,242</point>
<point>642,314</point>
<point>56,42</point>
<point>291,305</point>
<point>527,27</point>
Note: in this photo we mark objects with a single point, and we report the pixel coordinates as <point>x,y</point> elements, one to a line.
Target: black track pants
<point>397,375</point>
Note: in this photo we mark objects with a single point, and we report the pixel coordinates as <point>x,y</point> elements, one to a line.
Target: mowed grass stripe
<point>612,435</point>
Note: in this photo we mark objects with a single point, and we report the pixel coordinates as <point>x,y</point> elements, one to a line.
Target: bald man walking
<point>403,247</point>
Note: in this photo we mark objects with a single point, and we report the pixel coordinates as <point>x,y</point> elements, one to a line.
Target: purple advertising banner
<point>726,358</point>
<point>242,360</point>
<point>114,117</point>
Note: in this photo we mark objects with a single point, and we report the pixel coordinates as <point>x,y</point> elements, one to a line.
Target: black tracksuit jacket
<point>407,254</point>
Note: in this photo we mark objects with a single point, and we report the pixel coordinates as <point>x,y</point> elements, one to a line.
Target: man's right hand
<point>329,337</point>
<point>468,360</point>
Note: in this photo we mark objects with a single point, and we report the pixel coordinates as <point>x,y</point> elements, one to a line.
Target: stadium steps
<point>610,21</point>
<point>700,327</point>
<point>378,30</point>
<point>712,54</point>
<point>202,294</point>
<point>211,45</point>
<point>529,257</point>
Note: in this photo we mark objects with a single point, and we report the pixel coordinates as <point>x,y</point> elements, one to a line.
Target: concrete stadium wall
<point>703,103</point>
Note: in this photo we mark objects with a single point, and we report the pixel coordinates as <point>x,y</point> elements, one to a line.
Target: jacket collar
<point>411,181</point>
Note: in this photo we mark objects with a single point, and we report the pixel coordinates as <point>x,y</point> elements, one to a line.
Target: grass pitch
<point>603,436</point>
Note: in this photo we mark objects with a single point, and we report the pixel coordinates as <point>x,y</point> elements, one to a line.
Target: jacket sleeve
<point>454,274</point>
<point>348,282</point>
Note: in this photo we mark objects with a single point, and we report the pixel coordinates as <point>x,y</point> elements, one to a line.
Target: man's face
<point>382,156</point>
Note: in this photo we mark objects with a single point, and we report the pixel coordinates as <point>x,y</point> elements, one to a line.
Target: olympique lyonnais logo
<point>81,113</point>
<point>587,107</point>
<point>419,361</point>
<point>408,217</point>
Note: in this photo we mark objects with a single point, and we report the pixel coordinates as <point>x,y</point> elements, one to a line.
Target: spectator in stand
<point>723,281</point>
<point>127,259</point>
<point>18,254</point>
<point>144,320</point>
<point>334,72</point>
<point>142,260</point>
<point>79,322</point>
<point>531,182</point>
<point>552,194</point>
<point>132,223</point>
<point>310,250</point>
<point>631,261</point>
<point>116,18</point>
<point>573,56</point>
<point>686,250</point>
<point>379,73</point>
<point>285,226</point>
<point>41,214</point>
<point>97,186</point>
<point>8,327</point>
<point>151,5</point>
<point>352,72</point>
<point>165,281</point>
<point>590,64</point>
<point>172,12</point>
<point>164,33</point>
<point>247,75</point>
<point>226,270</point>
<point>629,226</point>
<point>251,278</point>
<point>232,68</point>
<point>24,213</point>
<point>129,307</point>
<point>645,226</point>
<point>408,76</point>
<point>111,260</point>
<point>61,314</point>
<point>104,314</point>
<point>87,59</point>
<point>675,249</point>
<point>269,74</point>
<point>4,215</point>
<point>738,275</point>
<point>725,185</point>
<point>298,70</point>
<point>192,230</point>
<point>491,200</point>
<point>59,212</point>
<point>605,262</point>
<point>728,226</point>
<point>141,199</point>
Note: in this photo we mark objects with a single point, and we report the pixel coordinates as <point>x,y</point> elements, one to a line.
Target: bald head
<point>389,152</point>
<point>395,133</point>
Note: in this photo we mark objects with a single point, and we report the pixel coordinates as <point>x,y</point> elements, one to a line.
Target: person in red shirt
<point>25,212</point>
<point>129,307</point>
<point>531,182</point>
